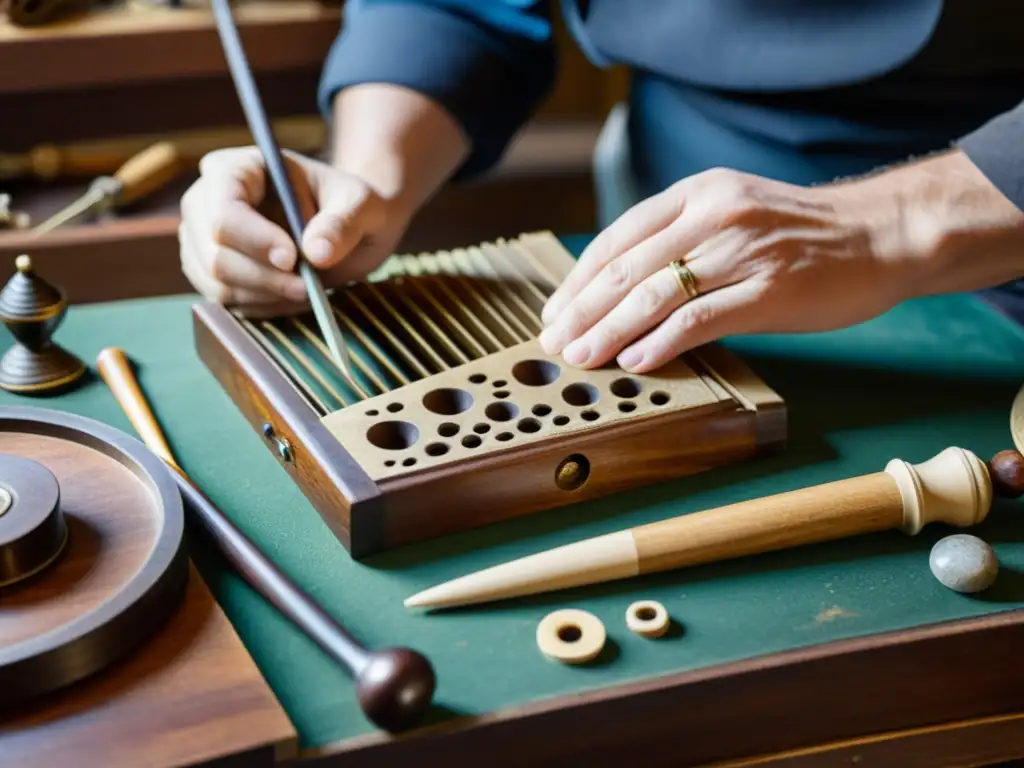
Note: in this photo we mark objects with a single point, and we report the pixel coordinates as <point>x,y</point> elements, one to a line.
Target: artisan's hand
<point>769,257</point>
<point>234,254</point>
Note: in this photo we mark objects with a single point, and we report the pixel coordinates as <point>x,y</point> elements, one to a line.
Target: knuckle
<point>649,299</point>
<point>618,273</point>
<point>694,316</point>
<point>219,269</point>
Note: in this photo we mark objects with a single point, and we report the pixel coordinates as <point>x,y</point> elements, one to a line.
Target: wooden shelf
<point>136,43</point>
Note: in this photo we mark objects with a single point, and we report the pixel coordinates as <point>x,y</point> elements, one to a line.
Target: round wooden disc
<point>32,527</point>
<point>124,567</point>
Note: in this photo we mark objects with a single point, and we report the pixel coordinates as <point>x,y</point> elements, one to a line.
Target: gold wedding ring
<point>686,279</point>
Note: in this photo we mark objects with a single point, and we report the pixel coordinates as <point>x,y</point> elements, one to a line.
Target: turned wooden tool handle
<point>148,171</point>
<point>952,487</point>
<point>115,370</point>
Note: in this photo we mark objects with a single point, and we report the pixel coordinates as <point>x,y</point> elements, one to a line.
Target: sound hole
<point>481,428</point>
<point>448,401</point>
<point>627,407</point>
<point>436,449</point>
<point>659,398</point>
<point>535,373</point>
<point>501,393</point>
<point>504,436</point>
<point>477,378</point>
<point>393,435</point>
<point>560,421</point>
<point>448,429</point>
<point>502,411</point>
<point>541,409</point>
<point>471,441</point>
<point>529,425</point>
<point>625,387</point>
<point>589,415</point>
<point>580,394</point>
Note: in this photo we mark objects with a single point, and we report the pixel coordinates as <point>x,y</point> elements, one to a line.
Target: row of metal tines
<point>415,316</point>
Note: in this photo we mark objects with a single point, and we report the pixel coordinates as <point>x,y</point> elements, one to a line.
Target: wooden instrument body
<point>731,415</point>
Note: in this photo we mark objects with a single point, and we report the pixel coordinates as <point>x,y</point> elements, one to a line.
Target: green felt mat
<point>932,373</point>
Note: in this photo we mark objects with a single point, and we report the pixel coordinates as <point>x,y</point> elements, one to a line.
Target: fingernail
<point>280,258</point>
<point>319,250</point>
<point>630,358</point>
<point>548,313</point>
<point>577,353</point>
<point>547,340</point>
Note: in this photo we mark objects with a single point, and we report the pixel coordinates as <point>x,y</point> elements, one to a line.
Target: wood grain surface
<point>190,696</point>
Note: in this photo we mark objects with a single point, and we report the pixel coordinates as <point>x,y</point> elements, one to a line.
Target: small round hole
<point>477,378</point>
<point>646,613</point>
<point>389,463</point>
<point>448,429</point>
<point>625,387</point>
<point>569,633</point>
<point>436,449</point>
<point>409,462</point>
<point>529,424</point>
<point>481,428</point>
<point>373,413</point>
<point>589,415</point>
<point>535,373</point>
<point>395,407</point>
<point>500,383</point>
<point>580,394</point>
<point>541,409</point>
<point>627,407</point>
<point>560,421</point>
<point>504,436</point>
<point>659,398</point>
<point>393,435</point>
<point>501,411</point>
<point>471,441</point>
<point>447,401</point>
<point>501,393</point>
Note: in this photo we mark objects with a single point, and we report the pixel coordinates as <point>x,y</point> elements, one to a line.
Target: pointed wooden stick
<point>953,487</point>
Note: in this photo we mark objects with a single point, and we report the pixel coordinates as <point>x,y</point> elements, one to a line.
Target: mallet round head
<point>395,687</point>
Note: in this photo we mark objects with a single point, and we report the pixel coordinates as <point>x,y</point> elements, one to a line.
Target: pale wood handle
<point>148,171</point>
<point>953,487</point>
<point>115,370</point>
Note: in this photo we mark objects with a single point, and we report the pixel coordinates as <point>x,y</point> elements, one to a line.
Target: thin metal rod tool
<point>256,117</point>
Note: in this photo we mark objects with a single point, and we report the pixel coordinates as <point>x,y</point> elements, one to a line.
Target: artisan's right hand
<point>234,255</point>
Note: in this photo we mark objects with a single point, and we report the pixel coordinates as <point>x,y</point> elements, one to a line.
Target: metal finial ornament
<point>32,309</point>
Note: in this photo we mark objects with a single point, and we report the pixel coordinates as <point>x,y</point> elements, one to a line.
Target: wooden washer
<point>91,548</point>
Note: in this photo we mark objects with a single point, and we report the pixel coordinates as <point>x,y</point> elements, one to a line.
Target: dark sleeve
<point>488,62</point>
<point>997,148</point>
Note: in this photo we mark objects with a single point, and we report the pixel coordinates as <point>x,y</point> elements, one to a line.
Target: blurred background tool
<point>143,174</point>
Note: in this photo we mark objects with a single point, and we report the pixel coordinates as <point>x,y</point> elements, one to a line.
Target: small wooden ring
<point>570,636</point>
<point>647,618</point>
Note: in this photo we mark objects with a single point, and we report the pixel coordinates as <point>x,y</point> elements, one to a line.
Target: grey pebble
<point>964,563</point>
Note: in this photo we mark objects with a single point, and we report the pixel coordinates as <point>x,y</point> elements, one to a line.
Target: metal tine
<point>506,281</point>
<point>417,311</point>
<point>426,348</point>
<point>356,358</point>
<point>296,353</point>
<point>282,361</point>
<point>413,267</point>
<point>491,282</point>
<point>536,263</point>
<point>391,338</point>
<point>428,264</point>
<point>375,350</point>
<point>472,284</point>
<point>500,253</point>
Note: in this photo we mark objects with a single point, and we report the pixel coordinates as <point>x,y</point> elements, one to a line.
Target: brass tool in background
<point>142,175</point>
<point>256,116</point>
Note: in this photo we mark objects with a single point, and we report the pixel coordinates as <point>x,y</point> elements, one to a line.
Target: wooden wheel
<point>97,524</point>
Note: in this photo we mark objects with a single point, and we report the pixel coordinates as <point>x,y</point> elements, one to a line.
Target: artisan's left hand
<point>765,257</point>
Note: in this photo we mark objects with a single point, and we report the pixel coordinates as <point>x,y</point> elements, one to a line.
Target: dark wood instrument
<point>395,686</point>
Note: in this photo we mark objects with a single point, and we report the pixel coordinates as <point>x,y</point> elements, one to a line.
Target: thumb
<point>349,212</point>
